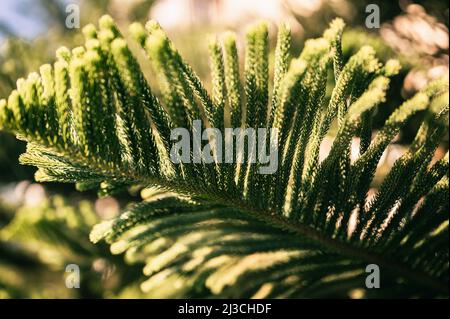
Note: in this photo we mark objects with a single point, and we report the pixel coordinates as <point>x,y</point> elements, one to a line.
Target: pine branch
<point>92,119</point>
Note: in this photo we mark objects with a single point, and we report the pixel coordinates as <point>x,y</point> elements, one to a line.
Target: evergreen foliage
<point>309,230</point>
<point>40,241</point>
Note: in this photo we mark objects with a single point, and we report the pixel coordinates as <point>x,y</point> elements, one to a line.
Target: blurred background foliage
<point>38,241</point>
<point>45,228</point>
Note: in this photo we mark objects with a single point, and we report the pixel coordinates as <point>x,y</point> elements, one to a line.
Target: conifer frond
<point>307,230</point>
